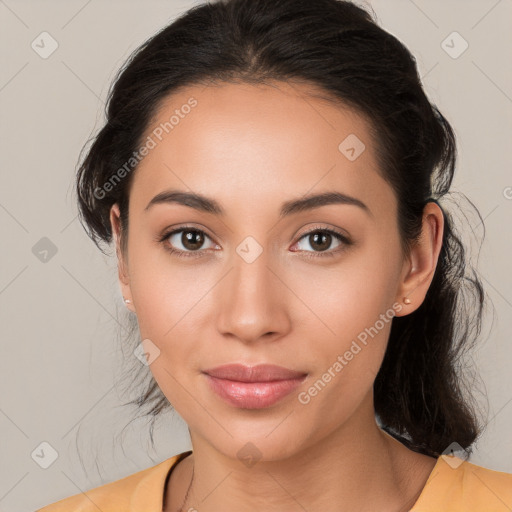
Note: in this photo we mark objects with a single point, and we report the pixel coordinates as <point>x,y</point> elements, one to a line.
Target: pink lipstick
<point>253,387</point>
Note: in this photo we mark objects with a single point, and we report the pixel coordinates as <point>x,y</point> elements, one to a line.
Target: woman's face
<point>252,286</point>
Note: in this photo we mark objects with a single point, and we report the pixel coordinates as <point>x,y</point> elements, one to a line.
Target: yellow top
<point>452,486</point>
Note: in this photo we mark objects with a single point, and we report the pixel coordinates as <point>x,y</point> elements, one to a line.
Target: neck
<point>357,467</point>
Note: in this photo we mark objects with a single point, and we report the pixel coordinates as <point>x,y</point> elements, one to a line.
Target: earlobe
<point>408,294</point>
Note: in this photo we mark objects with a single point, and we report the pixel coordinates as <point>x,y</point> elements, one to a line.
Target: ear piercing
<point>127,301</point>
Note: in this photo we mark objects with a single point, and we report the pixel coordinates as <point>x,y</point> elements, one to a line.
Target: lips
<point>253,387</point>
<point>259,373</point>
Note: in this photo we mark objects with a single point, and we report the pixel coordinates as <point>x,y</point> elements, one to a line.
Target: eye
<point>185,241</point>
<point>321,239</point>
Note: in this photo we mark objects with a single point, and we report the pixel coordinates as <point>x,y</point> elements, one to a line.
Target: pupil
<point>192,239</point>
<point>324,237</point>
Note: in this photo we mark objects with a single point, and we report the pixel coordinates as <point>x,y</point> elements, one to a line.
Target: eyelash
<point>309,254</point>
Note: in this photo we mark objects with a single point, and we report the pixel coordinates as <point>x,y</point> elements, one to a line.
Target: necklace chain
<point>188,490</point>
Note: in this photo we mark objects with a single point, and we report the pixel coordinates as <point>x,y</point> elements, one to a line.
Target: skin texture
<point>251,148</point>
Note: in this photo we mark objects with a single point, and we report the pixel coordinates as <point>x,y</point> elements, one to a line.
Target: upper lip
<point>258,373</point>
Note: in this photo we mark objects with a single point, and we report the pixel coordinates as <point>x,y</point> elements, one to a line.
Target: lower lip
<point>253,395</point>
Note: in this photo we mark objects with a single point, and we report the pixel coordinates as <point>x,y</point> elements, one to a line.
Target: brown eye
<point>185,241</point>
<point>192,239</point>
<point>320,240</point>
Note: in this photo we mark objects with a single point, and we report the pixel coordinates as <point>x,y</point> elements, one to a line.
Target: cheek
<point>163,290</point>
<point>353,302</point>
<point>346,363</point>
<point>346,297</point>
<point>168,303</point>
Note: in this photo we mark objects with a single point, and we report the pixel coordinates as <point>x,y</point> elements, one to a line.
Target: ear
<point>420,265</point>
<point>122,265</point>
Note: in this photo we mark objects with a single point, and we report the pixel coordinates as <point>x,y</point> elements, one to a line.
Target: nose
<point>252,301</point>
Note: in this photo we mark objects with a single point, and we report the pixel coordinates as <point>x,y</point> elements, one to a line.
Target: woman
<point>271,174</point>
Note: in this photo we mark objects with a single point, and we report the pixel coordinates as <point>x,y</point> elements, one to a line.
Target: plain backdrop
<point>60,304</point>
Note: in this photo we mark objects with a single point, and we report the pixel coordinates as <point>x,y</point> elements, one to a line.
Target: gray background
<point>61,318</point>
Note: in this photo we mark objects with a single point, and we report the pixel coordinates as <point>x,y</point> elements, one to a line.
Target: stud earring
<point>407,300</point>
<point>127,301</point>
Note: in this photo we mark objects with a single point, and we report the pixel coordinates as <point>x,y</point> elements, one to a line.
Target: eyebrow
<point>209,205</point>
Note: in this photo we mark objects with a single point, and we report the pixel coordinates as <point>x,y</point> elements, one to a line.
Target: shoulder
<point>455,485</point>
<point>143,490</point>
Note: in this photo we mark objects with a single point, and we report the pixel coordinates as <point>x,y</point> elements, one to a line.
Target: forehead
<point>249,145</point>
